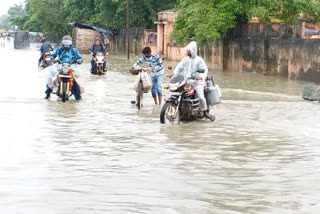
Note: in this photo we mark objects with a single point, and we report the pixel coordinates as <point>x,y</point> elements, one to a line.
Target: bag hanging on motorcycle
<point>146,81</point>
<point>212,93</point>
<point>136,82</point>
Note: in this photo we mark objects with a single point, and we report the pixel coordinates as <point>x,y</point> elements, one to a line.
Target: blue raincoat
<point>65,56</point>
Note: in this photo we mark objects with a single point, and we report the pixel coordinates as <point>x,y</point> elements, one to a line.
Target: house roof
<point>173,10</point>
<point>85,26</point>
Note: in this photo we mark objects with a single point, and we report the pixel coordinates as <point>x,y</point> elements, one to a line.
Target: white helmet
<point>67,42</point>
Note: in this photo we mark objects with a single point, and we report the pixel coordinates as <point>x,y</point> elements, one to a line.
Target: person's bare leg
<point>155,100</point>
<point>160,100</point>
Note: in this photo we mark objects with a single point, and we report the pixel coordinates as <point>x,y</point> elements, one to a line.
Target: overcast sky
<point>5,4</point>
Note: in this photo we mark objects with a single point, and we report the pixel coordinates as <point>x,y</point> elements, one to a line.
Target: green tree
<point>5,23</point>
<point>16,15</point>
<point>207,20</point>
<point>54,16</point>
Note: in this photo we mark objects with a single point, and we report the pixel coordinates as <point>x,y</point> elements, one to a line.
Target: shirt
<point>97,48</point>
<point>154,61</point>
<point>46,47</point>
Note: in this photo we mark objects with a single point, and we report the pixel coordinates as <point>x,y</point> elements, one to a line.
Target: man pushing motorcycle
<point>66,53</point>
<point>189,66</point>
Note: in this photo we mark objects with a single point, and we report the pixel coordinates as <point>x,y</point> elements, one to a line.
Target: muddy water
<point>101,155</point>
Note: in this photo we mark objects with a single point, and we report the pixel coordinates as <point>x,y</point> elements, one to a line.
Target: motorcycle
<point>183,102</point>
<point>62,80</point>
<point>46,60</point>
<point>65,80</point>
<point>99,64</point>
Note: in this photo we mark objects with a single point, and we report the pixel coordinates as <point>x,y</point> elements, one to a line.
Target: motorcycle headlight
<point>65,69</point>
<point>173,86</point>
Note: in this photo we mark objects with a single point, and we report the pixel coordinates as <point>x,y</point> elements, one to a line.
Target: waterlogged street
<point>102,155</point>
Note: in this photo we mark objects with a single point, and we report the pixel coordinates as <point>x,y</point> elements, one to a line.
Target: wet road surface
<point>102,155</point>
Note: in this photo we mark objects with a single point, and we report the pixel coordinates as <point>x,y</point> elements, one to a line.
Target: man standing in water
<point>156,64</point>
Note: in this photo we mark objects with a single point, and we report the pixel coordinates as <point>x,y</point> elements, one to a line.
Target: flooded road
<point>101,155</point>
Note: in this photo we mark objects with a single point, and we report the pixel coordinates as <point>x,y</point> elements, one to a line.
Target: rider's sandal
<point>210,117</point>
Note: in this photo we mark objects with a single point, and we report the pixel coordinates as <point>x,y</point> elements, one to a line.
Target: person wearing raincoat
<point>190,64</point>
<point>66,53</point>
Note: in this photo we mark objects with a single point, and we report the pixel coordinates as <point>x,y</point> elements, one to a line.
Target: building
<point>84,36</point>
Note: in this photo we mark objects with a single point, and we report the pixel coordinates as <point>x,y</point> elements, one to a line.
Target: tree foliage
<point>206,20</point>
<point>54,16</point>
<point>5,23</point>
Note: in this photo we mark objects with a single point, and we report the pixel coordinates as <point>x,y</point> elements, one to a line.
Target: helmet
<point>66,42</point>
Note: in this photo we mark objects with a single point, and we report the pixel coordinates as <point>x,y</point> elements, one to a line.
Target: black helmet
<point>66,42</point>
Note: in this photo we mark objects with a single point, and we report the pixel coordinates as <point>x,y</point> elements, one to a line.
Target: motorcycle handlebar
<point>72,62</point>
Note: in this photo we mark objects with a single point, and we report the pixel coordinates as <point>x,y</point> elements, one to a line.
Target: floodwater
<point>102,155</point>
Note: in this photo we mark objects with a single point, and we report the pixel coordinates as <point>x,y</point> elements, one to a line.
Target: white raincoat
<point>188,65</point>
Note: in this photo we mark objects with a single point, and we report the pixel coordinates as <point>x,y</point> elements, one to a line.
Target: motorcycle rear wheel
<point>170,114</point>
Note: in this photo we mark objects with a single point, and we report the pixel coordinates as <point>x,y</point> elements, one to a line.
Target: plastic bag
<point>136,82</point>
<point>219,91</point>
<point>146,81</point>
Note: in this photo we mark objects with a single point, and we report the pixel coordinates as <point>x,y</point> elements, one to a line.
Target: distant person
<point>96,48</point>
<point>155,62</point>
<point>45,47</point>
<point>3,40</point>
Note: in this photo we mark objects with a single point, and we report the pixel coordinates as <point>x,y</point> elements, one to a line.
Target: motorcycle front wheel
<point>139,95</point>
<point>170,114</point>
<point>64,92</point>
<point>100,71</point>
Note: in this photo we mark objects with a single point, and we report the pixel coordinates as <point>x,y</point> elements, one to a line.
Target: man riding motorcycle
<point>96,48</point>
<point>67,53</point>
<point>45,47</point>
<point>190,64</point>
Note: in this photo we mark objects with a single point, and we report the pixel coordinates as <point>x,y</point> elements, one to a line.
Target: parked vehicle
<point>21,40</point>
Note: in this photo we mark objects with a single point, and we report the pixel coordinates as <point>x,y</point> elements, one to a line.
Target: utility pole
<point>128,26</point>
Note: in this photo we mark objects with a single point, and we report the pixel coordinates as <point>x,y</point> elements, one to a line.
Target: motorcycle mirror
<point>201,71</point>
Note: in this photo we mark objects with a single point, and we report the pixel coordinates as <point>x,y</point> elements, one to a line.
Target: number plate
<point>64,76</point>
<point>175,93</point>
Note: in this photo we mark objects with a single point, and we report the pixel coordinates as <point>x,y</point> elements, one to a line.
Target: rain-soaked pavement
<point>101,155</point>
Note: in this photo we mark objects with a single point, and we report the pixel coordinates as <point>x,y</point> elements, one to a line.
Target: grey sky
<point>5,4</point>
